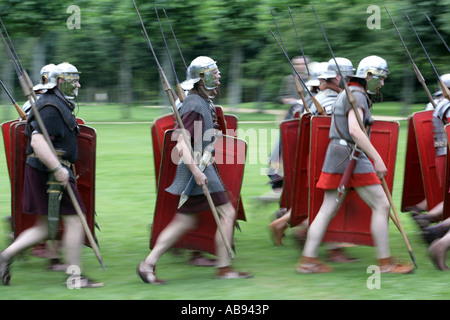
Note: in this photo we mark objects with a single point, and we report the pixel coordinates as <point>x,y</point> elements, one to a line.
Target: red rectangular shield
<point>7,143</point>
<point>158,129</point>
<point>227,123</point>
<point>413,187</point>
<point>446,213</point>
<point>289,130</point>
<point>352,222</point>
<point>85,170</point>
<point>423,129</point>
<point>300,183</point>
<point>230,157</point>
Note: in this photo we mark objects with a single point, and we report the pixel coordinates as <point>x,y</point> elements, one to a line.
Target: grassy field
<point>125,201</point>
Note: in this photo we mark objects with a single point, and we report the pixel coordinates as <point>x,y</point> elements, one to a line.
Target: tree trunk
<point>408,90</point>
<point>7,77</point>
<point>125,82</point>
<point>235,86</point>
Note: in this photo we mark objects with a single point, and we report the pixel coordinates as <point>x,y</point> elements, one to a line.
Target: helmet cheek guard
<point>377,67</point>
<point>201,67</point>
<point>69,87</point>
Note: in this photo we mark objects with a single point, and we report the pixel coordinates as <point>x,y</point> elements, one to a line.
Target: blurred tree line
<point>117,65</point>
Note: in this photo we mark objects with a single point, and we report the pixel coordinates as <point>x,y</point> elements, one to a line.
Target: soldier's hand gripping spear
<point>27,88</point>
<point>395,218</point>
<point>172,98</point>
<point>205,161</point>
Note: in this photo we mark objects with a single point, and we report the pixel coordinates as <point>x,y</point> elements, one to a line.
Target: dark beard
<point>377,97</point>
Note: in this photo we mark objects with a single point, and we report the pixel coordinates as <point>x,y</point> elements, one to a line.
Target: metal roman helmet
<point>445,78</point>
<point>201,66</point>
<point>377,67</point>
<point>46,72</point>
<point>316,69</point>
<point>70,75</point>
<point>345,66</point>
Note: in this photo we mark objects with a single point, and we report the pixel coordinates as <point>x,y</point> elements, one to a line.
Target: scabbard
<point>187,191</point>
<point>54,191</point>
<point>343,184</point>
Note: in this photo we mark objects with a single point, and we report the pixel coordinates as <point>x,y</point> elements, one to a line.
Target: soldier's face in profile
<point>299,65</point>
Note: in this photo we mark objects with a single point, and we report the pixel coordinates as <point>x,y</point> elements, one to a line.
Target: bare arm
<point>363,142</point>
<point>46,156</point>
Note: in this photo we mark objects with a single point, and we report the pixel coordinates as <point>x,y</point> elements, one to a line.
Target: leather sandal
<point>148,276</point>
<point>312,265</point>
<point>229,273</point>
<point>4,271</point>
<point>390,265</point>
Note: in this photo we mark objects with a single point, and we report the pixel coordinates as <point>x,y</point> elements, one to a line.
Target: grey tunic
<point>341,143</point>
<point>204,107</point>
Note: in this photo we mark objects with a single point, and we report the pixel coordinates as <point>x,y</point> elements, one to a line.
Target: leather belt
<point>65,162</point>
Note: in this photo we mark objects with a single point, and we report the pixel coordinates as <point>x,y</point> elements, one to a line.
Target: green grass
<point>125,201</point>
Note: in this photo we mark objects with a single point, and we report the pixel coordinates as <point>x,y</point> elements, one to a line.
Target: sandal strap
<point>228,273</point>
<point>149,276</point>
<point>312,265</point>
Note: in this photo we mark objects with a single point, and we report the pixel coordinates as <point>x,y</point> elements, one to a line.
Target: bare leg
<point>320,224</point>
<point>28,238</point>
<point>180,224</point>
<point>376,199</point>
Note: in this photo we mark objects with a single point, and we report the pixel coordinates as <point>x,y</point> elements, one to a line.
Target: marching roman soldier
<point>46,72</point>
<point>47,173</point>
<point>346,135</point>
<point>438,95</point>
<point>439,231</point>
<point>440,119</point>
<point>202,82</point>
<point>329,84</point>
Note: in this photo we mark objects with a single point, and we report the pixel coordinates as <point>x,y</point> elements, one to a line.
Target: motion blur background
<point>108,47</point>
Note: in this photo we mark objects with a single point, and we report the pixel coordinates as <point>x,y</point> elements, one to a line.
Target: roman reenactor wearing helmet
<point>441,116</point>
<point>199,119</point>
<point>44,168</point>
<point>437,235</point>
<point>346,135</point>
<point>329,84</point>
<point>46,72</point>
